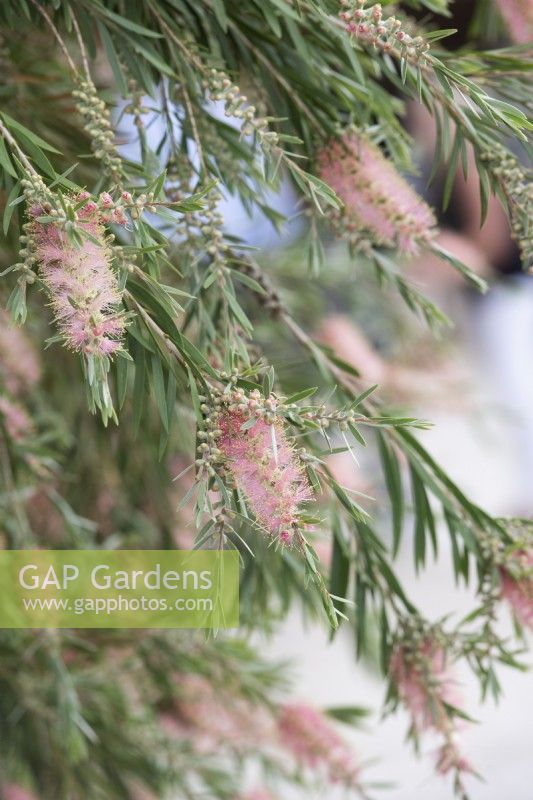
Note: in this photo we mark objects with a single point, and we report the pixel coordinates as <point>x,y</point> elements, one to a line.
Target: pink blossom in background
<point>377,200</point>
<point>518,17</point>
<point>83,287</point>
<point>212,717</point>
<point>19,365</point>
<point>256,794</point>
<point>265,468</point>
<point>13,791</point>
<point>313,741</point>
<point>517,589</point>
<point>425,689</point>
<point>17,422</point>
<point>450,757</point>
<point>426,686</point>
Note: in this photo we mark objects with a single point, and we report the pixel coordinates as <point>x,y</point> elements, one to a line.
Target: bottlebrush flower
<point>518,17</point>
<point>377,201</point>
<point>517,586</point>
<point>15,419</point>
<point>424,685</point>
<point>81,283</point>
<point>314,743</point>
<point>19,366</point>
<point>264,466</point>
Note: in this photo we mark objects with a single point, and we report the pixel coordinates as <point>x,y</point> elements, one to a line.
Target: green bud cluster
<point>270,298</point>
<point>36,193</point>
<point>342,418</point>
<point>221,88</point>
<point>518,189</point>
<point>135,107</point>
<point>98,126</point>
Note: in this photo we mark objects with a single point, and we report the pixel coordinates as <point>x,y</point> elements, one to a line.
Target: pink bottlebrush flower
<point>517,586</point>
<point>19,365</point>
<point>264,466</point>
<point>313,741</point>
<point>106,200</point>
<point>425,686</point>
<point>377,200</point>
<point>15,419</point>
<point>518,17</point>
<point>119,217</point>
<point>90,207</point>
<point>83,288</point>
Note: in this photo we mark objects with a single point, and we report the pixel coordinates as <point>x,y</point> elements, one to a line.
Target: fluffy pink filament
<point>19,366</point>
<point>377,200</point>
<point>425,688</point>
<point>518,590</point>
<point>264,466</point>
<point>518,17</point>
<point>83,288</point>
<point>17,422</point>
<point>314,743</point>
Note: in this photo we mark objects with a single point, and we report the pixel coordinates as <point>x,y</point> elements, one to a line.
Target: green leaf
<point>451,171</point>
<point>393,480</point>
<point>349,715</point>
<point>363,396</point>
<point>220,13</point>
<point>159,390</point>
<point>360,612</point>
<point>268,382</point>
<point>394,584</point>
<point>340,563</point>
<point>5,161</point>
<point>138,386</point>
<point>295,398</point>
<point>12,124</point>
<point>420,503</point>
<point>10,208</point>
<point>113,59</point>
<point>128,24</point>
<point>250,282</point>
<point>122,367</point>
<point>434,36</point>
<point>466,272</point>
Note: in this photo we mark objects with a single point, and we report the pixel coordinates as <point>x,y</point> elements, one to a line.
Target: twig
<point>81,44</point>
<point>57,35</point>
